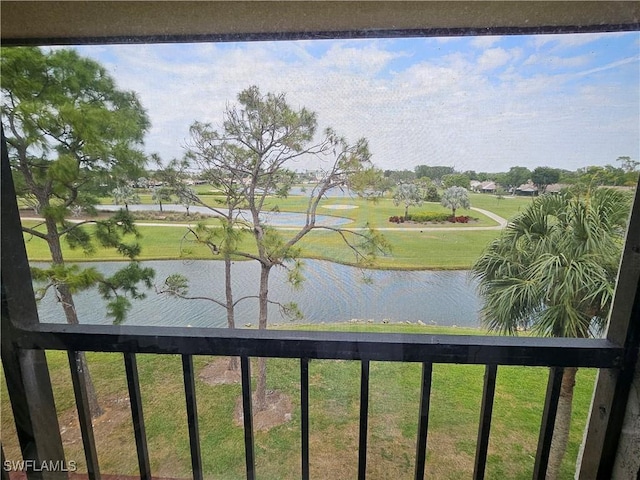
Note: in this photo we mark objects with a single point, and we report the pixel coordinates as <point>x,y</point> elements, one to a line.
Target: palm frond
<point>554,267</point>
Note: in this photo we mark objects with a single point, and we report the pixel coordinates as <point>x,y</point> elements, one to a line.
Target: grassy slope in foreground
<point>334,400</point>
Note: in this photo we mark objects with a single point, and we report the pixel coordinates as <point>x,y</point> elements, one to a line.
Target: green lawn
<point>334,404</point>
<point>409,250</point>
<point>375,213</point>
<point>506,207</point>
<point>424,247</point>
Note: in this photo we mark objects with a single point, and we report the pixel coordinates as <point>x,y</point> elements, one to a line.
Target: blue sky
<point>481,103</point>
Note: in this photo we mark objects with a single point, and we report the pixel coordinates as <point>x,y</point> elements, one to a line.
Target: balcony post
<point>608,450</point>
<point>26,371</point>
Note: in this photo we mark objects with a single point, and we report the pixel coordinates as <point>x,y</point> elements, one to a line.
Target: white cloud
<point>436,109</point>
<point>612,65</point>
<point>575,40</point>
<point>493,58</point>
<point>555,62</point>
<point>485,41</point>
<point>368,61</point>
<point>447,39</point>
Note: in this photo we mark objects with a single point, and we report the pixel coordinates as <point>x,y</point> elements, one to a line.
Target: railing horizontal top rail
<point>462,349</point>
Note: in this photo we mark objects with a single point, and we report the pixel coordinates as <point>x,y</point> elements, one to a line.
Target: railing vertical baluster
<point>192,416</point>
<point>245,367</point>
<point>364,419</point>
<point>133,383</point>
<point>548,422</point>
<point>423,422</point>
<point>304,412</point>
<point>84,414</point>
<point>484,429</point>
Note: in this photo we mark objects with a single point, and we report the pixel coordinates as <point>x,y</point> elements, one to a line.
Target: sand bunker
<point>340,207</point>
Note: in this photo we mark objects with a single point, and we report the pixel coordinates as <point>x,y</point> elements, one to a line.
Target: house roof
<point>527,187</point>
<point>555,187</point>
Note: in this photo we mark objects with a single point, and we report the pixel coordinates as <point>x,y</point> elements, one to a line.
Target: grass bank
<point>409,249</point>
<point>419,248</point>
<point>334,403</point>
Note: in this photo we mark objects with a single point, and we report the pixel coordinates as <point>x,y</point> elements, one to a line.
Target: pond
<point>335,192</point>
<point>331,293</point>
<point>276,219</point>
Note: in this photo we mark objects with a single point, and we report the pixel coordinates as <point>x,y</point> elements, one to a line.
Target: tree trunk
<point>68,305</point>
<point>160,206</point>
<point>261,387</point>
<point>562,424</point>
<point>94,405</point>
<point>231,322</point>
<point>406,212</point>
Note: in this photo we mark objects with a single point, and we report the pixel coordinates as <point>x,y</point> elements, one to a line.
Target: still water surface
<point>276,219</point>
<point>331,293</point>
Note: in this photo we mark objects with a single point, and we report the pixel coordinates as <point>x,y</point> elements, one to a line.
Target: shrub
<point>170,216</point>
<point>435,217</point>
<point>425,217</point>
<point>431,194</point>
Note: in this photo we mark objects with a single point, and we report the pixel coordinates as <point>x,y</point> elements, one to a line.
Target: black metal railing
<point>305,345</point>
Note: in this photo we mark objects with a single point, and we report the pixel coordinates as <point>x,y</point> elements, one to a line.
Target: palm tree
<point>409,194</point>
<point>186,196</point>
<point>455,198</point>
<point>126,195</point>
<point>161,194</point>
<point>552,271</point>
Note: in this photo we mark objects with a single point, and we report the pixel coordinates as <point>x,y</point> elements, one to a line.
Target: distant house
<point>556,187</point>
<point>528,189</point>
<point>483,187</point>
<point>488,187</point>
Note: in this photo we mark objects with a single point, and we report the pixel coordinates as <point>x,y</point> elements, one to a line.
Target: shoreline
<point>383,268</point>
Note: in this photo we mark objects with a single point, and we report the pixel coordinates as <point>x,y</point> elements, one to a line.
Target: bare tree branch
<point>174,293</point>
<point>73,226</point>
<point>35,233</point>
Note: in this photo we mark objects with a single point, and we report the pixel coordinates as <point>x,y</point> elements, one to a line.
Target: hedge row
<point>431,217</point>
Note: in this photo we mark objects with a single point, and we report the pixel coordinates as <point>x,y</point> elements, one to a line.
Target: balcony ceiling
<point>102,21</point>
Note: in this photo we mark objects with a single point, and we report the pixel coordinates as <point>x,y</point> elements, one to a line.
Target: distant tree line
<point>625,173</point>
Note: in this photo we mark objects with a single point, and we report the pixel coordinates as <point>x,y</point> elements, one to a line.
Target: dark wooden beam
<point>613,386</point>
<point>69,22</point>
<point>26,371</point>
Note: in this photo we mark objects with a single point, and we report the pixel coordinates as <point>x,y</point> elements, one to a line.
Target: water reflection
<point>276,219</point>
<point>331,293</point>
